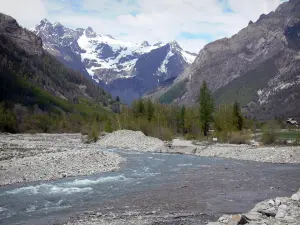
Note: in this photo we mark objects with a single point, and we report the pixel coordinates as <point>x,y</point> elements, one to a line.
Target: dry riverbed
<point>26,157</point>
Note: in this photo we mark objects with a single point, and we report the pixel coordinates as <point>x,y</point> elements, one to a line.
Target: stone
<point>223,220</point>
<point>295,197</point>
<point>277,202</point>
<point>271,202</point>
<point>281,212</point>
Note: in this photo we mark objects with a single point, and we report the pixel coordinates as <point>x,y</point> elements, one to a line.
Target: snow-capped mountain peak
<point>145,44</point>
<point>109,60</point>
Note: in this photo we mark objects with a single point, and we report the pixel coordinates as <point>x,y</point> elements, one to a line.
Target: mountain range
<point>259,67</point>
<point>125,69</point>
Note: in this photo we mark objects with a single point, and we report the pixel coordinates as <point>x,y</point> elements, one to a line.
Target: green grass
<point>289,135</point>
<point>175,92</point>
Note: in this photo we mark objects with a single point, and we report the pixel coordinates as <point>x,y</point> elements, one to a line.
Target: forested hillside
<point>38,93</point>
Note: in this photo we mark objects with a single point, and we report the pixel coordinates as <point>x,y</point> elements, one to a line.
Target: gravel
<point>132,140</point>
<point>274,154</point>
<point>136,140</point>
<point>25,157</point>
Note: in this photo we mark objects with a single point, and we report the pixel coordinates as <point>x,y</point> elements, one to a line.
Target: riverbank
<point>136,140</point>
<point>270,154</point>
<point>40,157</point>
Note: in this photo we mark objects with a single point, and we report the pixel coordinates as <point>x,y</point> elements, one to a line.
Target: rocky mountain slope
<point>31,77</point>
<point>127,69</point>
<point>259,66</point>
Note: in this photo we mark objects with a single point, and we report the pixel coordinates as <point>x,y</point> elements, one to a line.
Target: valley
<point>99,130</point>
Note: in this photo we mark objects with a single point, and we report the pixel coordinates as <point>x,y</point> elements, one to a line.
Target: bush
<point>93,134</point>
<point>239,138</point>
<point>190,136</point>
<point>165,134</point>
<point>270,133</point>
<point>108,126</point>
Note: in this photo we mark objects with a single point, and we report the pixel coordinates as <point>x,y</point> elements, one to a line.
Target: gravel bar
<point>39,157</point>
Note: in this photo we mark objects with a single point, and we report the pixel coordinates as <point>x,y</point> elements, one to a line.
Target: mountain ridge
<point>266,50</point>
<point>120,65</point>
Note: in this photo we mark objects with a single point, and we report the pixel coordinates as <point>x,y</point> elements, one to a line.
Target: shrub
<point>190,136</point>
<point>270,133</point>
<point>108,126</point>
<point>93,134</point>
<point>239,138</point>
<point>165,134</point>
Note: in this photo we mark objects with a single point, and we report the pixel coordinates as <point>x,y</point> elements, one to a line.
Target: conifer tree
<point>206,108</point>
<point>237,116</point>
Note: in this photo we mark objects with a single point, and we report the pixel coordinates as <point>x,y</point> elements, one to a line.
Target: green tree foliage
<point>7,120</point>
<point>270,132</point>
<point>108,126</point>
<point>182,119</point>
<point>138,108</point>
<point>93,134</point>
<point>238,119</point>
<point>206,108</point>
<point>149,110</point>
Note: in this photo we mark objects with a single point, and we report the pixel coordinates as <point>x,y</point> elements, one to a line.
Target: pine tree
<point>149,110</point>
<point>206,108</point>
<point>237,116</point>
<point>182,119</point>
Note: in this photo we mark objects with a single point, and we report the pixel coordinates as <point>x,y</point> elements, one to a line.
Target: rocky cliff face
<point>127,69</point>
<point>259,66</point>
<point>30,76</point>
<point>23,38</point>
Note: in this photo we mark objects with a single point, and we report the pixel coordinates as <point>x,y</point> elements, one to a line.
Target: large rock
<point>281,211</point>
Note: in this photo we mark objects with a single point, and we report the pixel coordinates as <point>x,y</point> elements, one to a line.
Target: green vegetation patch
<point>176,91</point>
<point>289,135</point>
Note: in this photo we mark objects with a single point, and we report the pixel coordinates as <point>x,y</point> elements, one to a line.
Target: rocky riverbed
<point>273,154</point>
<point>136,140</point>
<point>278,211</point>
<point>26,157</point>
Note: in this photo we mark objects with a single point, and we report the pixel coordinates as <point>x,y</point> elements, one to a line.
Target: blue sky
<point>193,23</point>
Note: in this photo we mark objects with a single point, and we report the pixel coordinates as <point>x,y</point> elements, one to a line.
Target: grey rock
<point>296,197</point>
<point>25,39</point>
<point>281,212</point>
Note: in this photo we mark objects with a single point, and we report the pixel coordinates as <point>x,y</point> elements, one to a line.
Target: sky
<point>192,23</point>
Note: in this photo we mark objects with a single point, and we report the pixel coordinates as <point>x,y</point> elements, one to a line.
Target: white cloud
<point>25,12</point>
<point>156,19</point>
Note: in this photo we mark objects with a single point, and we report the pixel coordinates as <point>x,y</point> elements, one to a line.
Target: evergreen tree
<point>182,119</point>
<point>206,108</point>
<point>141,107</point>
<point>237,116</point>
<point>118,99</point>
<point>149,110</point>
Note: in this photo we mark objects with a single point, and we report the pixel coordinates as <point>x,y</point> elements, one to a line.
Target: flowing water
<point>147,182</point>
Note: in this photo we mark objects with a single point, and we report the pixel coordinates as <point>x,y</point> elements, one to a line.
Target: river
<point>148,182</point>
